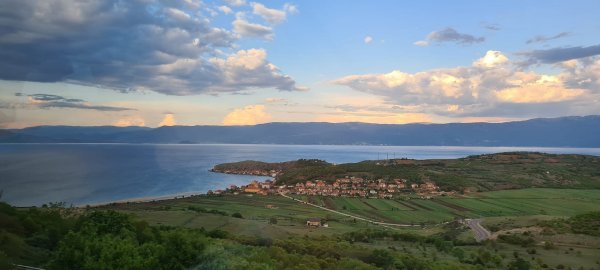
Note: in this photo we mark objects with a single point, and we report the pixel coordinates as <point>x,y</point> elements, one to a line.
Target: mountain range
<point>573,131</point>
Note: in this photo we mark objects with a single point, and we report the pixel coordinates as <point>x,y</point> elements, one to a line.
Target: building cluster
<point>341,187</point>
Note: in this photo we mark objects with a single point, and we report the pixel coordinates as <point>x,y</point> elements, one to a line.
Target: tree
<point>519,264</point>
<point>273,220</point>
<point>381,258</point>
<point>237,215</point>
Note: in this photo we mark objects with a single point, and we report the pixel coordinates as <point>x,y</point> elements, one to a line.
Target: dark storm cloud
<point>542,39</point>
<point>555,55</point>
<point>56,101</point>
<point>159,45</point>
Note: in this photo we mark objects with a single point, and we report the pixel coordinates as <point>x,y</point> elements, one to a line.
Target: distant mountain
<point>573,131</point>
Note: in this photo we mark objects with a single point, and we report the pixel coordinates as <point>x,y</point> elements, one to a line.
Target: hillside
<point>550,132</point>
<point>482,172</point>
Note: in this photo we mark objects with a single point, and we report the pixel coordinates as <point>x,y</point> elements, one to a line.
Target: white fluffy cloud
<point>491,59</point>
<point>271,15</point>
<point>168,120</point>
<point>243,28</point>
<point>251,68</point>
<point>225,9</point>
<point>236,3</point>
<point>368,39</point>
<point>249,115</point>
<point>129,121</point>
<point>490,85</point>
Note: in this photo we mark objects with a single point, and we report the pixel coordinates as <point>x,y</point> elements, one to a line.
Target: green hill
<point>508,170</point>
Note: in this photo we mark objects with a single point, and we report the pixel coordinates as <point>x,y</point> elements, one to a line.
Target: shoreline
<point>145,199</point>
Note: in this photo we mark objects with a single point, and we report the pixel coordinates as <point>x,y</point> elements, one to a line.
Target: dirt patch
<point>451,205</point>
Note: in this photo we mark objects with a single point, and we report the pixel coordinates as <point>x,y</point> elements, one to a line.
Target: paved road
<point>479,231</point>
<point>385,224</point>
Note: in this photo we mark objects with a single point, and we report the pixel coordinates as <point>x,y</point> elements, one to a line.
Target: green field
<point>292,215</point>
<point>539,201</point>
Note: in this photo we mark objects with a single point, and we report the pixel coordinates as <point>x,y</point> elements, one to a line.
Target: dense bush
<point>524,241</point>
<point>588,223</point>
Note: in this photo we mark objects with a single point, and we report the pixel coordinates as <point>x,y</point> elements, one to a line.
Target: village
<point>349,186</point>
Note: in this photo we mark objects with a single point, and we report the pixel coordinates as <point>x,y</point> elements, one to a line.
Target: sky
<point>241,62</point>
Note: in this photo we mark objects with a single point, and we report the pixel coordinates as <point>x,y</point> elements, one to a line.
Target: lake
<point>80,174</point>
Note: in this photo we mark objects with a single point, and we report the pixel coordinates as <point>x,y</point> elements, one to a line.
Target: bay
<point>81,174</point>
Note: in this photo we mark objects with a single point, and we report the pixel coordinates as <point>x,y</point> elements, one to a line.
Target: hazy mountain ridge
<point>576,131</point>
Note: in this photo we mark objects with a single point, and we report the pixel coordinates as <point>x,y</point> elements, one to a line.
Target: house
<point>252,187</point>
<point>314,222</point>
<point>265,185</point>
<point>309,184</point>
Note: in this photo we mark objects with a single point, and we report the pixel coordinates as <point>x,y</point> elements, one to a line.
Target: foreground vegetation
<point>509,170</point>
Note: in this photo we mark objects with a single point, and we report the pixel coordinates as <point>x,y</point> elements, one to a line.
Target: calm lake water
<point>80,174</point>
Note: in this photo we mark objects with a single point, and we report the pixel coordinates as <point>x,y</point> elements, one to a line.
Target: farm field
<point>524,202</point>
<point>291,215</point>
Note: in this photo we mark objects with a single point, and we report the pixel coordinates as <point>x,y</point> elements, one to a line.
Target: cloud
<point>168,120</point>
<point>421,43</point>
<point>150,45</point>
<point>276,100</point>
<point>401,118</point>
<point>543,90</point>
<point>225,9</point>
<point>249,115</point>
<point>130,121</point>
<point>491,27</point>
<point>273,16</point>
<point>542,39</point>
<point>491,59</point>
<point>236,3</point>
<point>250,68</point>
<point>289,8</point>
<point>449,35</point>
<point>254,30</point>
<point>556,55</point>
<point>492,87</point>
<point>368,39</point>
<point>46,101</point>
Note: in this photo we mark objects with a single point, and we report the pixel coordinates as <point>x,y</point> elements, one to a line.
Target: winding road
<point>479,231</point>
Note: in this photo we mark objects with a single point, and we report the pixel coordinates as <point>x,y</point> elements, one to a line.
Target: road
<point>479,231</point>
<point>385,224</point>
